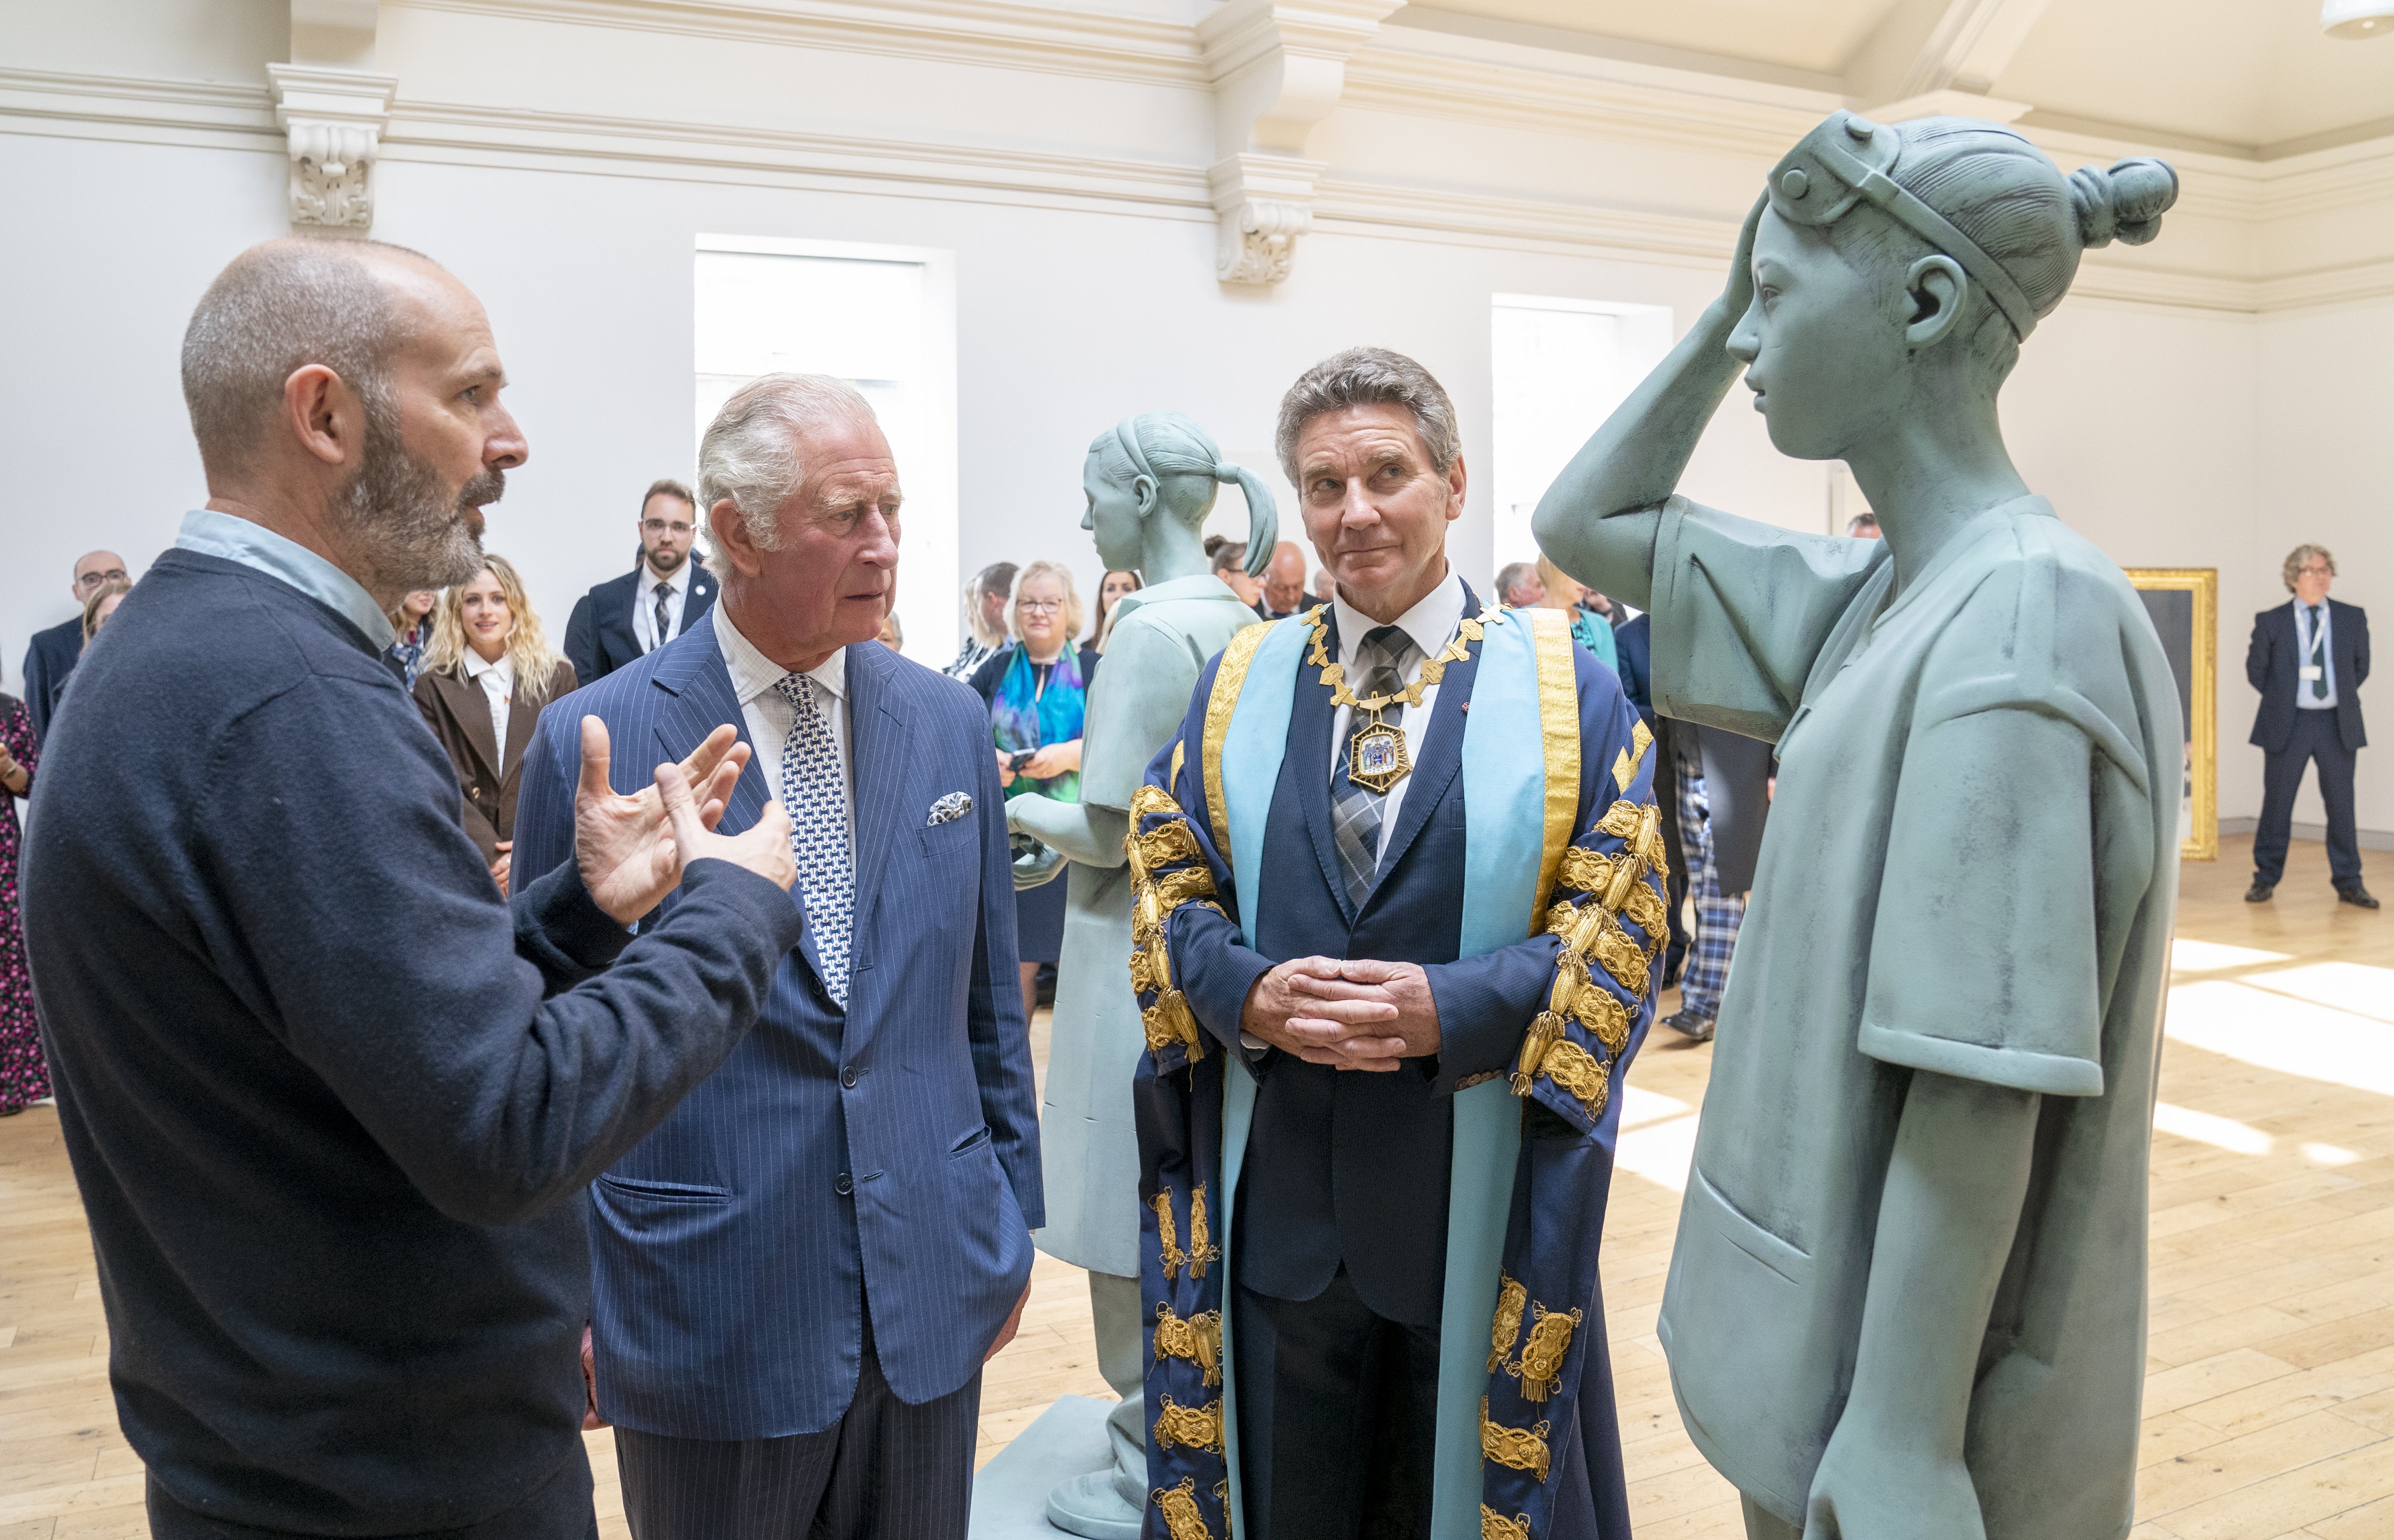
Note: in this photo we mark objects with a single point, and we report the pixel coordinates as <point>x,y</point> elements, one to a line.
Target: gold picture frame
<point>2189,627</point>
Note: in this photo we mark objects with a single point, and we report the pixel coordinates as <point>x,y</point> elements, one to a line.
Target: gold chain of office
<point>1376,757</point>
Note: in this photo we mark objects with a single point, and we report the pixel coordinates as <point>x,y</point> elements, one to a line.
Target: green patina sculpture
<point>1151,481</point>
<point>1908,1294</point>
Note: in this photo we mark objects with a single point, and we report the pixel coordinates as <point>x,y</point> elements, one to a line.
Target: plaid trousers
<point>1717,914</point>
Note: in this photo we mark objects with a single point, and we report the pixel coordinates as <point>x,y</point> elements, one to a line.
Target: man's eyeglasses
<point>658,526</point>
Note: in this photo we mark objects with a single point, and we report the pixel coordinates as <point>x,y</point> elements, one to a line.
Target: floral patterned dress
<point>24,1078</point>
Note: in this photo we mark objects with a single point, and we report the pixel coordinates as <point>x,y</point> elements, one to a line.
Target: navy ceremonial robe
<point>1354,1168</point>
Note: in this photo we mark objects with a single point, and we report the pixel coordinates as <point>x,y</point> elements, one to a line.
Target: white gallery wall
<point>2192,406</point>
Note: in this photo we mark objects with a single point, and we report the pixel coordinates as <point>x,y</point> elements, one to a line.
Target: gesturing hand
<point>1402,989</point>
<point>1012,1324</point>
<point>1341,1024</point>
<point>623,844</point>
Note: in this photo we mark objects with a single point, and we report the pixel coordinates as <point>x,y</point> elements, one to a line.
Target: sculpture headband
<point>1845,161</point>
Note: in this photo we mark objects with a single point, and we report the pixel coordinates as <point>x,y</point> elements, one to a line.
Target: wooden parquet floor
<point>2269,1394</point>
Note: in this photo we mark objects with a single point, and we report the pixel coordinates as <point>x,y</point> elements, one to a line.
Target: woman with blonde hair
<point>102,604</point>
<point>1038,691</point>
<point>1564,592</point>
<point>487,674</point>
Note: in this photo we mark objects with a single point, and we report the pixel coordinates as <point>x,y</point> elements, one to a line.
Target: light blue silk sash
<point>1504,799</point>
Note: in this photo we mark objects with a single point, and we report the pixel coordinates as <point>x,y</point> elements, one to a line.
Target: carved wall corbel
<point>331,107</point>
<point>1277,69</point>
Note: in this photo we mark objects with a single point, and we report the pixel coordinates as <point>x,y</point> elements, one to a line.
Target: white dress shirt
<point>498,682</point>
<point>1432,624</point>
<point>2303,701</point>
<point>770,714</point>
<point>644,605</point>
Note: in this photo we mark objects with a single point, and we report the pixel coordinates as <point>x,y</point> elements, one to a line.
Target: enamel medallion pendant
<point>1376,759</point>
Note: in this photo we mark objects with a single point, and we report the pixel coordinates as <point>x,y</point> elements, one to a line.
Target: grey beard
<point>404,528</point>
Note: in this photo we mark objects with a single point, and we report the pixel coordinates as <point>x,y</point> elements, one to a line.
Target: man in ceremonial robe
<point>1399,898</point>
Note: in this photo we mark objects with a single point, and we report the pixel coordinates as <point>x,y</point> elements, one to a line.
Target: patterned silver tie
<point>814,792</point>
<point>1381,665</point>
<point>663,616</point>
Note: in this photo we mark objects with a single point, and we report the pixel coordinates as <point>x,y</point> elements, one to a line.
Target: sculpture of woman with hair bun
<point>1908,1294</point>
<point>1151,481</point>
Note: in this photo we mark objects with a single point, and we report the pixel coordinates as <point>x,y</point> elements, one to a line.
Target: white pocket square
<point>948,809</point>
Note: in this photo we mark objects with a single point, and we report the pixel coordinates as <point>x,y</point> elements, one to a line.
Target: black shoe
<point>1687,1024</point>
<point>2259,893</point>
<point>2357,896</point>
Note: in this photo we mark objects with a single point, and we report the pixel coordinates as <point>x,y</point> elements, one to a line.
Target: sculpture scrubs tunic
<point>1971,869</point>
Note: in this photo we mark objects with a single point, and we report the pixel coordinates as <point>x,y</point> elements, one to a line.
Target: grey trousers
<point>1121,1358</point>
<point>884,1471</point>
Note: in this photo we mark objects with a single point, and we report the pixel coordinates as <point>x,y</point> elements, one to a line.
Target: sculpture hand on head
<point>1151,481</point>
<point>1892,270</point>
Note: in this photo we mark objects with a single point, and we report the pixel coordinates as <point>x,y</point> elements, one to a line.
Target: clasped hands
<point>631,850</point>
<point>1351,1013</point>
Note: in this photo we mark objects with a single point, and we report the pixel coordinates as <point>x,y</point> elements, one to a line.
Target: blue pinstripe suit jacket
<point>888,1153</point>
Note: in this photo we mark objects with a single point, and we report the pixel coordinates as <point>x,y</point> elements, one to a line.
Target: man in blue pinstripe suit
<point>799,1273</point>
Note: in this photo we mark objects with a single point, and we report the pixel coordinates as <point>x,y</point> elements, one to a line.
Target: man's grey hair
<point>750,454</point>
<point>1509,577</point>
<point>274,309</point>
<point>2300,558</point>
<point>1369,377</point>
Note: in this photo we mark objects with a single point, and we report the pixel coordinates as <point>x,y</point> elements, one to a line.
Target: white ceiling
<point>2251,76</point>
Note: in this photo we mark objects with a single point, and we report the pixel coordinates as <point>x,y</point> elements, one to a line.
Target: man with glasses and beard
<point>630,616</point>
<point>332,1100</point>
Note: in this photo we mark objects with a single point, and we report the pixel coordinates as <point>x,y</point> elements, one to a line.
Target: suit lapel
<point>471,710</point>
<point>881,736</point>
<point>697,600</point>
<point>701,699</point>
<point>1308,756</point>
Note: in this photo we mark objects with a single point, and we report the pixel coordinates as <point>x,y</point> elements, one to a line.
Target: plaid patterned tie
<point>814,792</point>
<point>1381,665</point>
<point>665,616</point>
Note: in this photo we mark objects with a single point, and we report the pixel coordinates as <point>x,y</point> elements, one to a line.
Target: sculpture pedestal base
<point>1010,1494</point>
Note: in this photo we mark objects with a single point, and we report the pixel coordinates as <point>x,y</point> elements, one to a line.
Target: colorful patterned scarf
<point>1023,716</point>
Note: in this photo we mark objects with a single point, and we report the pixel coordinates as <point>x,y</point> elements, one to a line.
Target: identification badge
<point>1377,760</point>
<point>2312,671</point>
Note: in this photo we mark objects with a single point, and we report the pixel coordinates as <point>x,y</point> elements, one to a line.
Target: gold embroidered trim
<point>1586,1078</point>
<point>1588,871</point>
<point>1640,738</point>
<point>1174,888</point>
<point>1558,732</point>
<point>1196,1427</point>
<point>1198,1340</point>
<point>1168,1021</point>
<point>1179,757</point>
<point>1520,1448</point>
<point>1493,1525</point>
<point>1511,1298</point>
<point>1167,1233</point>
<point>1622,957</point>
<point>1542,1358</point>
<point>1201,1249</point>
<point>1150,800</point>
<point>1432,670</point>
<point>1220,702</point>
<point>1182,1519</point>
<point>1645,906</point>
<point>1624,769</point>
<point>1165,844</point>
<point>1605,1017</point>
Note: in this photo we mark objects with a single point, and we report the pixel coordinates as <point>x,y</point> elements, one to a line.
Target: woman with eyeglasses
<point>1037,689</point>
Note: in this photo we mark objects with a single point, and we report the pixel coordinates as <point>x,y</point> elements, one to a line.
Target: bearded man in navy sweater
<point>331,1101</point>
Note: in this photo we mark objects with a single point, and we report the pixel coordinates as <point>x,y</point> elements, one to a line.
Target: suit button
<point>847,1077</point>
<point>845,1185</point>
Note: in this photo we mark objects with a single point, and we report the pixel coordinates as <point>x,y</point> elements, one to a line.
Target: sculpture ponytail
<point>2125,202</point>
<point>1159,445</point>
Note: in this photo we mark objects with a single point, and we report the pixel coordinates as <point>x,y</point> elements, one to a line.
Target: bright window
<point>1559,368</point>
<point>882,318</point>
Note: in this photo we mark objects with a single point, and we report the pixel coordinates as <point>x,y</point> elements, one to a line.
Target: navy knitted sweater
<point>331,1101</point>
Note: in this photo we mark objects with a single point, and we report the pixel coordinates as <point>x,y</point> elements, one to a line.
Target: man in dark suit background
<point>660,599</point>
<point>53,654</point>
<point>2308,659</point>
<point>799,1274</point>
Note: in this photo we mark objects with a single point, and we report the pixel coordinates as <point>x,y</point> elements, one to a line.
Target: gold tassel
<point>1167,1232</point>
<point>1542,1358</point>
<point>1502,1331</point>
<point>1198,1340</point>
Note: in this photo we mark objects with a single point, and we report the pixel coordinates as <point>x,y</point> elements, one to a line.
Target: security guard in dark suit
<point>629,616</point>
<point>2308,659</point>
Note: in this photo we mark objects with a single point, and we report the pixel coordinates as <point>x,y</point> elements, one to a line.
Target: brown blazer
<point>459,714</point>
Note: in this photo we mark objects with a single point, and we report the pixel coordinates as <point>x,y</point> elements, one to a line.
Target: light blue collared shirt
<point>2303,700</point>
<point>220,534</point>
